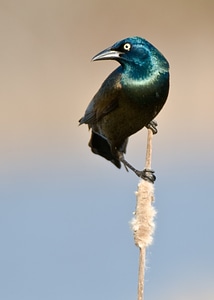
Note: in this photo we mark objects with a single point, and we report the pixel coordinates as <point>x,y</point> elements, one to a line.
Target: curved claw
<point>147,175</point>
<point>153,126</point>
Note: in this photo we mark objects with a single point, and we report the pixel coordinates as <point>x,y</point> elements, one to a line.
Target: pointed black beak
<point>106,54</point>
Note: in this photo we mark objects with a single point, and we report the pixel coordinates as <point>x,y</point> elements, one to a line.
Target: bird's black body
<point>130,97</point>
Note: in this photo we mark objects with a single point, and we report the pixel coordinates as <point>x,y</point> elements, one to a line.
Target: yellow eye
<point>127,46</point>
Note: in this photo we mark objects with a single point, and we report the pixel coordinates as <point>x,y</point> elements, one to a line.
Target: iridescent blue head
<point>138,53</point>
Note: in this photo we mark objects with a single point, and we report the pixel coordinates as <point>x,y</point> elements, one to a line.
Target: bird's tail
<point>100,146</point>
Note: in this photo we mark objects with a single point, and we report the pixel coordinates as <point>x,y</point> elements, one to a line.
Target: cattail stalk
<point>143,222</point>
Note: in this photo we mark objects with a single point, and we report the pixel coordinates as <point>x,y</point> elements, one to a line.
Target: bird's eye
<point>127,46</point>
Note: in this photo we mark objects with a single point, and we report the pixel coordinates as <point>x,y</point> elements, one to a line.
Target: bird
<point>129,98</point>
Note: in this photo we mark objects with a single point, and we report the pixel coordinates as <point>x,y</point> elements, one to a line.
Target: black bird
<point>129,98</point>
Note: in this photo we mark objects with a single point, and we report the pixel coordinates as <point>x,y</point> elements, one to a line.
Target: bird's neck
<point>144,87</point>
<point>138,77</point>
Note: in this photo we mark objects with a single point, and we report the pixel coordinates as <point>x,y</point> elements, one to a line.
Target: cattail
<point>143,222</point>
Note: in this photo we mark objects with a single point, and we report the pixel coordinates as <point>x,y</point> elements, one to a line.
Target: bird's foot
<point>146,174</point>
<point>153,126</point>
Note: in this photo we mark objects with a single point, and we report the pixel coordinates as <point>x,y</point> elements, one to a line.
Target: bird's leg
<point>147,175</point>
<point>125,163</point>
<point>153,126</point>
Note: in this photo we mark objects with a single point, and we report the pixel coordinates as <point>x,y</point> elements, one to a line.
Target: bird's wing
<point>105,100</point>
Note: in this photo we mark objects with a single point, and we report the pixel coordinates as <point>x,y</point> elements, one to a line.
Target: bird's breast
<point>149,89</point>
<point>138,103</point>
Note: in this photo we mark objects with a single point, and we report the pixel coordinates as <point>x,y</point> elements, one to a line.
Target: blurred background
<point>65,212</point>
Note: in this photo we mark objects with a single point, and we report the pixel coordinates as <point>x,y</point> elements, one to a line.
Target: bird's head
<point>134,51</point>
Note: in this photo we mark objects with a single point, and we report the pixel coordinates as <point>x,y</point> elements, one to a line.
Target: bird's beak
<point>108,53</point>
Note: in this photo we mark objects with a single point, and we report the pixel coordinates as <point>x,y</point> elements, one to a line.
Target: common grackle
<point>129,99</point>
